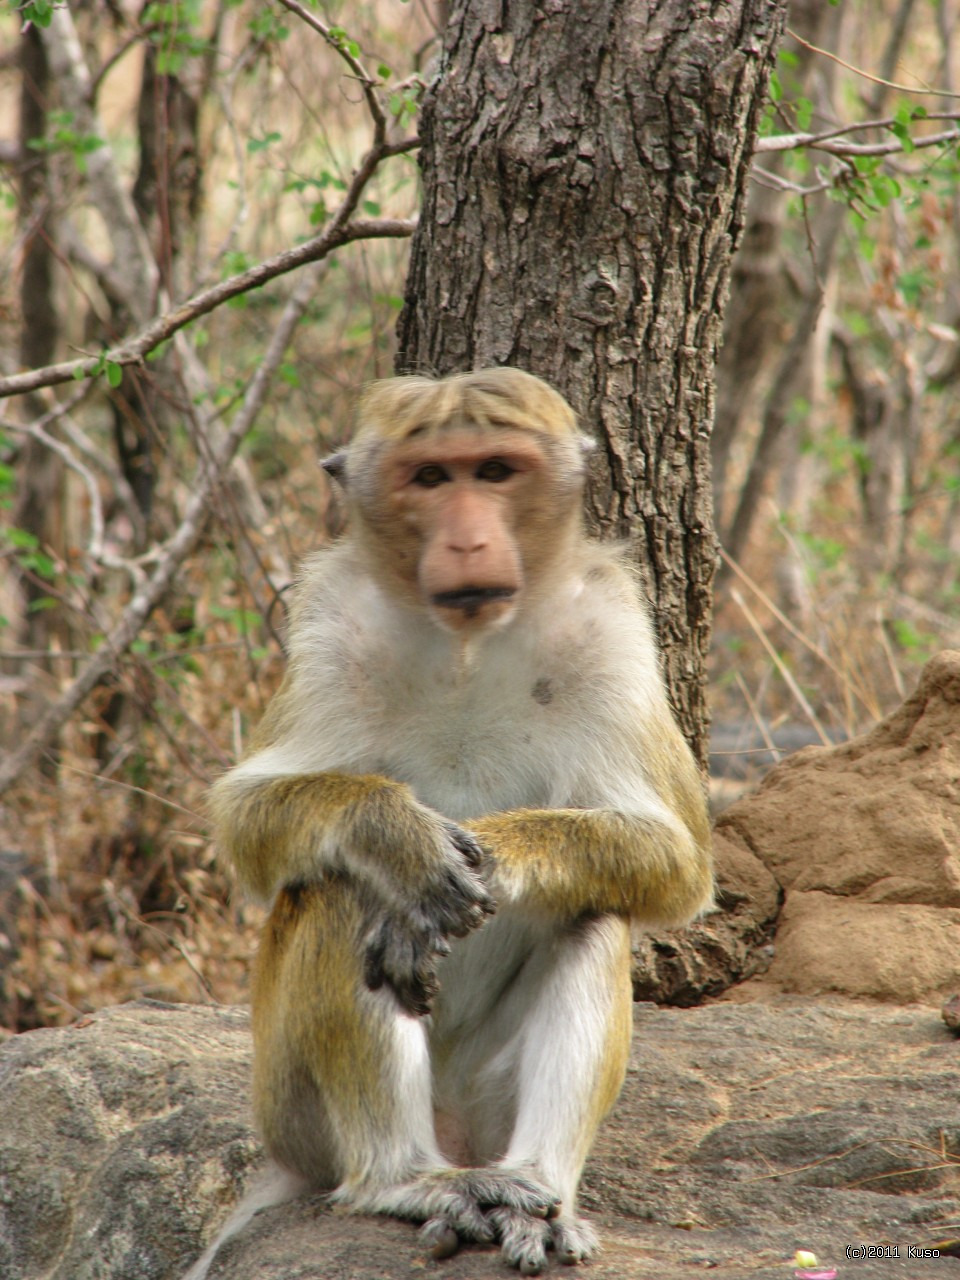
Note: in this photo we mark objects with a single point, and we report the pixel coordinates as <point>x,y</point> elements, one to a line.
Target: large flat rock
<point>745,1131</point>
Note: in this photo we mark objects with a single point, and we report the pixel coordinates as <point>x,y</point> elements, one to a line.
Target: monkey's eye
<point>494,470</point>
<point>429,476</point>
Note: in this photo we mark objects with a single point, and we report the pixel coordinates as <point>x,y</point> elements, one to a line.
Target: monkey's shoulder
<point>610,579</point>
<point>604,614</point>
<point>327,582</point>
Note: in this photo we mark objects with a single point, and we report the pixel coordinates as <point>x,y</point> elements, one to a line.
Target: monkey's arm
<point>423,870</point>
<point>570,862</point>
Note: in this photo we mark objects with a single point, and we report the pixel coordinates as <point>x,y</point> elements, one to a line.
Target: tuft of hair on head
<point>398,408</point>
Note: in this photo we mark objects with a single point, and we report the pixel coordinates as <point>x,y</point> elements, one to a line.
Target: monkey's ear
<point>336,466</point>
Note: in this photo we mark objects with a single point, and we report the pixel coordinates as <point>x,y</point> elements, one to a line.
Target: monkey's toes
<point>523,1239</point>
<point>439,1239</point>
<point>509,1187</point>
<point>573,1240</point>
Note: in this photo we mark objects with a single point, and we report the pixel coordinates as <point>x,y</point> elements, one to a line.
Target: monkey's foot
<point>524,1240</point>
<point>454,1204</point>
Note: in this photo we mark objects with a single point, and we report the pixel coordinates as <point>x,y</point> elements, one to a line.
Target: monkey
<point>467,790</point>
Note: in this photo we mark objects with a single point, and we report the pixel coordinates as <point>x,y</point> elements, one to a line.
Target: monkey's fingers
<point>466,843</point>
<point>404,959</point>
<point>373,974</point>
<point>415,986</point>
<point>461,905</point>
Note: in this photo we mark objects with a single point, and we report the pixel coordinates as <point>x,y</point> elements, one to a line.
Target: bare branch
<point>213,462</point>
<point>165,326</point>
<point>830,142</point>
<point>36,432</point>
<point>777,182</point>
<point>130,243</point>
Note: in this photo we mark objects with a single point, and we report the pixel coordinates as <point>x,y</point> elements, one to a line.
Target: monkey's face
<point>467,512</point>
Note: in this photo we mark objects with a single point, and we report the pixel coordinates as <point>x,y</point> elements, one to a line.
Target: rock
<point>895,952</point>
<point>865,840</point>
<point>121,1135</point>
<point>950,1013</point>
<point>744,1132</point>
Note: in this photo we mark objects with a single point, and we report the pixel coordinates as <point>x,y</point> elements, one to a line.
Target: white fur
<point>460,721</point>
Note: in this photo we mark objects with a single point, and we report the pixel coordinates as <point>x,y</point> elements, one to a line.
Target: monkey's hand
<point>407,943</point>
<point>404,958</point>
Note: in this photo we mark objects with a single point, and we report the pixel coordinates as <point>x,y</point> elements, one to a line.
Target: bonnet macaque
<point>467,789</point>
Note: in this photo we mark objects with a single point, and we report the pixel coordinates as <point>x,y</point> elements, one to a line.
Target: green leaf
<point>22,539</point>
<point>37,11</point>
<point>261,144</point>
<point>39,563</point>
<point>114,374</point>
<point>884,189</point>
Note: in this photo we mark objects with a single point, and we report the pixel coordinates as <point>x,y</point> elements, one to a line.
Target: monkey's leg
<point>554,1051</point>
<point>342,1077</point>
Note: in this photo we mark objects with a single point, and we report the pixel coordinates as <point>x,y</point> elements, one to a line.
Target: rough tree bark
<point>39,509</point>
<point>584,164</point>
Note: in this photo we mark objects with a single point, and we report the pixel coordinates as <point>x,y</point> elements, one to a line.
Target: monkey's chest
<point>471,748</point>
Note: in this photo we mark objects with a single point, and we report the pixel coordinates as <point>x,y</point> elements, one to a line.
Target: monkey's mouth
<point>470,600</point>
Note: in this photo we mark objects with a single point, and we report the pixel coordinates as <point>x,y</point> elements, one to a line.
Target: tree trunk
<point>584,164</point>
<point>39,505</point>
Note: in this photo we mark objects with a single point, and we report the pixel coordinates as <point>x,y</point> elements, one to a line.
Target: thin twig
<point>820,654</point>
<point>35,432</point>
<point>758,720</point>
<point>841,131</point>
<point>818,142</point>
<point>866,75</point>
<point>367,82</point>
<point>100,779</point>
